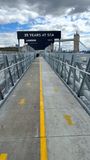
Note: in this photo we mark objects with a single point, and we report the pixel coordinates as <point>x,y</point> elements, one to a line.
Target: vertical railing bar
<point>65,71</point>
<point>74,77</point>
<point>53,63</point>
<point>86,80</point>
<point>62,67</point>
<point>5,74</point>
<point>84,77</point>
<point>21,64</point>
<point>16,66</point>
<point>58,63</point>
<point>7,63</point>
<point>70,69</point>
<point>1,95</point>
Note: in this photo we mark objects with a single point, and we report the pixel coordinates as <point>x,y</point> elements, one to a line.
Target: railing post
<point>16,66</point>
<point>52,62</point>
<point>74,77</point>
<point>1,95</point>
<point>62,67</point>
<point>5,74</point>
<point>58,63</point>
<point>7,63</point>
<point>65,76</point>
<point>84,77</point>
<point>70,69</point>
<point>20,59</point>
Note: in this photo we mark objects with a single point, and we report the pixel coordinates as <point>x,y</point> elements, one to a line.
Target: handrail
<point>12,77</point>
<point>70,66</point>
<point>77,82</point>
<point>13,65</point>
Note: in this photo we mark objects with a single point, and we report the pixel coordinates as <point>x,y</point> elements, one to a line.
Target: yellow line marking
<point>68,119</point>
<point>22,102</point>
<point>3,156</point>
<point>56,89</point>
<point>43,143</point>
<point>28,84</point>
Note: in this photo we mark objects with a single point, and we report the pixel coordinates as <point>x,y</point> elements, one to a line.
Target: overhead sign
<point>39,40</point>
<point>38,34</point>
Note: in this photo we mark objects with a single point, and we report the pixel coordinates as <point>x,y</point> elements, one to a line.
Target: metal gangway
<point>72,68</point>
<point>45,106</point>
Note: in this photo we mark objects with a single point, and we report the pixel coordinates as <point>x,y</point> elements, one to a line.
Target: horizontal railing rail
<point>71,66</point>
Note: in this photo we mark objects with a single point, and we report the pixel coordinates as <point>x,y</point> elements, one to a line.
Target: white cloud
<point>67,23</point>
<point>8,39</point>
<point>9,15</point>
<point>68,27</point>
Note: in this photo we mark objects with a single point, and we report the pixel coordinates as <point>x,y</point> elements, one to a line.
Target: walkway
<point>41,120</point>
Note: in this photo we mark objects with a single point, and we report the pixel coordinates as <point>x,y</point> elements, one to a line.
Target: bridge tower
<point>76,42</point>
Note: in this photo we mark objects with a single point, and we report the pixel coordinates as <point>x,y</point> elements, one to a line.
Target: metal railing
<point>13,68</point>
<point>74,70</point>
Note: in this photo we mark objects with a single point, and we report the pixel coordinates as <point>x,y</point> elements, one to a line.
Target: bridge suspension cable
<point>83,45</point>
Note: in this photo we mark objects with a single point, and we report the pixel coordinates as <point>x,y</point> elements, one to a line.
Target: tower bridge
<point>75,40</point>
<point>45,102</point>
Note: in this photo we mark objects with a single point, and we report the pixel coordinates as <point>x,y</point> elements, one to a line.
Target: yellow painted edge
<point>3,156</point>
<point>43,143</point>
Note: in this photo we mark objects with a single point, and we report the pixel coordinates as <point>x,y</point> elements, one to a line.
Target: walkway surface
<point>41,120</point>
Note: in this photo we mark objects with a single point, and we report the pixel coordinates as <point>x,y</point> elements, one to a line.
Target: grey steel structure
<point>12,68</point>
<point>74,70</point>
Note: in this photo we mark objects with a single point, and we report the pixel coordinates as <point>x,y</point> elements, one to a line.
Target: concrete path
<point>41,120</point>
<point>67,124</point>
<point>19,119</point>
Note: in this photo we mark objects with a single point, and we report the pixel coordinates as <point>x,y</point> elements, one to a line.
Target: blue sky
<point>14,26</point>
<point>68,16</point>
